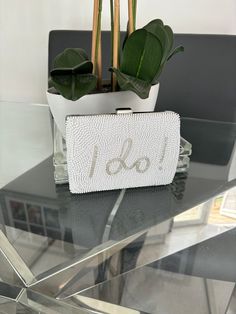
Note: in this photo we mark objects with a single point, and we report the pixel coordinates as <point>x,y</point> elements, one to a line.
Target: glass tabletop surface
<point>107,245</point>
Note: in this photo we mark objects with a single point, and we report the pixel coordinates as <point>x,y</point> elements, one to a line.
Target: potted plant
<point>76,85</point>
<point>76,81</point>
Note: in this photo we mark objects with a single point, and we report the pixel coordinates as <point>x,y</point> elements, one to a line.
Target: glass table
<point>168,249</point>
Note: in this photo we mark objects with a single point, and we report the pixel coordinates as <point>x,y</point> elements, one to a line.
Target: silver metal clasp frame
<point>124,111</point>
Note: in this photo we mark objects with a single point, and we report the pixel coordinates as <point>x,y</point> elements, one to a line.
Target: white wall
<point>25,24</point>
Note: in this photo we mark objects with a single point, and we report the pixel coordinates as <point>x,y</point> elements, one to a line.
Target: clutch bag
<point>125,150</point>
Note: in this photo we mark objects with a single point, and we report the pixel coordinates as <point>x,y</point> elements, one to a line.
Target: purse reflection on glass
<point>124,150</point>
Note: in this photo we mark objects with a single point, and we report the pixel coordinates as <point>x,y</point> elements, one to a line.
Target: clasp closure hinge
<point>124,111</point>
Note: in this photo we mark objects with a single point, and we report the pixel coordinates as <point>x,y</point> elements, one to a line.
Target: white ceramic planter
<point>99,103</point>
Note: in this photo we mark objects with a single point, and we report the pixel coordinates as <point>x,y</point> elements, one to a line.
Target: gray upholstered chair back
<point>201,82</point>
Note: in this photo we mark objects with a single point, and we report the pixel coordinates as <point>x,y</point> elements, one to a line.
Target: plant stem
<point>112,28</point>
<point>94,34</point>
<point>131,16</point>
<point>112,35</point>
<point>99,62</point>
<point>96,41</point>
<point>116,41</point>
<point>132,6</point>
<point>135,12</point>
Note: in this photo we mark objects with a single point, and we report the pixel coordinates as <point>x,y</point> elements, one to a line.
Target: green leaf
<point>156,78</point>
<point>82,68</point>
<point>127,82</point>
<point>142,55</point>
<point>70,58</point>
<point>74,86</point>
<point>164,34</point>
<point>176,50</point>
<point>71,75</point>
<point>170,35</point>
<point>156,27</point>
<point>153,23</point>
<point>138,47</point>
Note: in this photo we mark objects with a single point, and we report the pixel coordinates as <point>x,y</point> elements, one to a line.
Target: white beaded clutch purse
<point>124,150</point>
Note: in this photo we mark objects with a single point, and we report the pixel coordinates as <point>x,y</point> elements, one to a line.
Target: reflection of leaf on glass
<point>51,217</point>
<point>18,210</point>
